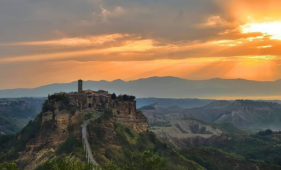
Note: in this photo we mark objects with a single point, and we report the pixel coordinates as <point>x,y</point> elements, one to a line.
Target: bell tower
<point>80,86</point>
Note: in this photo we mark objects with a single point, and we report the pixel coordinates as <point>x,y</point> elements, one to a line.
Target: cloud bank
<point>112,39</point>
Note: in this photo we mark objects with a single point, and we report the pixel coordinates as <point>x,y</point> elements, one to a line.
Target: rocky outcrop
<point>62,118</point>
<point>178,132</point>
<point>55,128</point>
<point>125,112</point>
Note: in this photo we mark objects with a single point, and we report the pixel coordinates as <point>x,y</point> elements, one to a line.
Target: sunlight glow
<point>271,29</point>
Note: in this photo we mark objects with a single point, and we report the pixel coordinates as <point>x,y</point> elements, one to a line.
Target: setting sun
<point>271,29</point>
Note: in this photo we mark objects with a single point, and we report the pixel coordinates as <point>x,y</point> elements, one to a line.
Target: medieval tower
<point>80,86</point>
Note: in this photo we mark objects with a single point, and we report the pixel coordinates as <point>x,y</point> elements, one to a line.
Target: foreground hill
<point>119,133</point>
<point>164,87</point>
<point>246,114</point>
<point>16,113</point>
<point>118,137</point>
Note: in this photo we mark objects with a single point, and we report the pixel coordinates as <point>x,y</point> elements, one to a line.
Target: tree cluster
<point>266,132</point>
<point>123,97</point>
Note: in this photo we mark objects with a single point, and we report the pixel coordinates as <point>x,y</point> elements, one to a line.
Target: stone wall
<point>125,112</point>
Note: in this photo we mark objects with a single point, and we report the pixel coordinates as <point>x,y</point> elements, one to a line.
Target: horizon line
<point>215,78</point>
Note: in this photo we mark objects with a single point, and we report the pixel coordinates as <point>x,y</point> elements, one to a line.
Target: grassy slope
<point>215,159</point>
<point>266,149</point>
<point>127,142</point>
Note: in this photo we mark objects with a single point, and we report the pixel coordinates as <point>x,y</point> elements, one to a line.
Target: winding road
<point>85,141</point>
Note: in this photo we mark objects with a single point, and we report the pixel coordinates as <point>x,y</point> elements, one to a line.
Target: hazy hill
<point>252,115</point>
<point>16,113</point>
<point>163,87</point>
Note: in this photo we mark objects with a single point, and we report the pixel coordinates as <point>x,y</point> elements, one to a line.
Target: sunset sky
<point>58,41</point>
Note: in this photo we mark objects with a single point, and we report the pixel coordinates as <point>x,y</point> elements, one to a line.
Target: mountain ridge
<point>163,87</point>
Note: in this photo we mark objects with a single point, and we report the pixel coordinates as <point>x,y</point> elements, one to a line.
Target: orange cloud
<point>254,68</point>
<point>127,46</point>
<point>86,41</point>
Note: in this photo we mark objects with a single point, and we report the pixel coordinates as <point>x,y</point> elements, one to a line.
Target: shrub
<point>132,98</point>
<point>107,114</point>
<point>129,132</point>
<point>8,166</point>
<point>265,133</point>
<point>113,96</point>
<point>125,97</point>
<point>67,163</point>
<point>88,116</point>
<point>67,146</point>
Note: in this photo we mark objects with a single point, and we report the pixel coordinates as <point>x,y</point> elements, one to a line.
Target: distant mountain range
<point>164,87</point>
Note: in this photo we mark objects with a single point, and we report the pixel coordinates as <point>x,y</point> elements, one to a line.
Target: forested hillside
<point>16,113</point>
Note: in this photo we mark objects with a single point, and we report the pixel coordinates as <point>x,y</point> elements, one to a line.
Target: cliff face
<point>126,113</point>
<point>61,119</point>
<point>56,125</point>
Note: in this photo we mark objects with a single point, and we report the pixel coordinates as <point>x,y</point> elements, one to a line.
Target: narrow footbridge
<point>85,141</point>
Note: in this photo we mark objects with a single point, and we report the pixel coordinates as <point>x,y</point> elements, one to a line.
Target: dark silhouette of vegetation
<point>265,133</point>
<point>132,98</point>
<point>63,99</point>
<point>113,96</point>
<point>126,97</point>
<point>59,97</point>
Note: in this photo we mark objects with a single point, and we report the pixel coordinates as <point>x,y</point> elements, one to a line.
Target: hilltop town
<point>123,107</point>
<point>63,115</point>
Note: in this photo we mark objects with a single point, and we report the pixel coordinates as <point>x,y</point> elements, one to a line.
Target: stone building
<point>86,99</point>
<point>124,111</point>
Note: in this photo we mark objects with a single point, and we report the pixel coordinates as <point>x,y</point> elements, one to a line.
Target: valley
<point>17,112</point>
<point>213,135</point>
<point>245,114</point>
